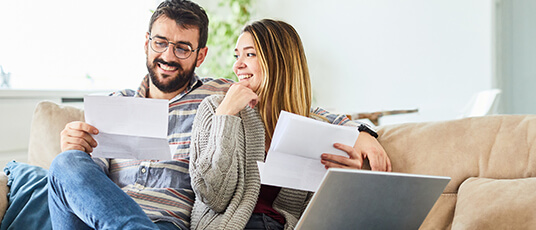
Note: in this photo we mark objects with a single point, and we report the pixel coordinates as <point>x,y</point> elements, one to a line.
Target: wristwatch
<point>365,128</point>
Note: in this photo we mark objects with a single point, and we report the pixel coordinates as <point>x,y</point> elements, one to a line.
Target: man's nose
<point>169,54</point>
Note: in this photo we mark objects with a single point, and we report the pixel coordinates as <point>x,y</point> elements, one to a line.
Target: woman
<point>229,136</point>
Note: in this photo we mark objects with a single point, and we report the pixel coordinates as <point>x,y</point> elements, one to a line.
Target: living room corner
<point>448,84</point>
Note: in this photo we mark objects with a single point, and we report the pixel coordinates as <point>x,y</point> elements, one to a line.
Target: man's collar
<point>193,84</point>
<point>144,87</point>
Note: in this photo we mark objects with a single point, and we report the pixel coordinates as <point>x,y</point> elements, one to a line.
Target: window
<point>62,44</point>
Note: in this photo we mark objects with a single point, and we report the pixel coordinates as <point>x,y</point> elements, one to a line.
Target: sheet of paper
<point>293,160</point>
<point>129,128</point>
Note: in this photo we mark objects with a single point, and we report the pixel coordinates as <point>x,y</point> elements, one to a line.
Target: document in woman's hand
<point>293,159</point>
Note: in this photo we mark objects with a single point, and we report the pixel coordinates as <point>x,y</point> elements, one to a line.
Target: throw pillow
<point>496,204</point>
<point>48,121</point>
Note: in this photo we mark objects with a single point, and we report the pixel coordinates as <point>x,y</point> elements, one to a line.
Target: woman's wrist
<point>367,129</point>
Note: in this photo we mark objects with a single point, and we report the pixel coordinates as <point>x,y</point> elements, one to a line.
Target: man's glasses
<point>181,51</point>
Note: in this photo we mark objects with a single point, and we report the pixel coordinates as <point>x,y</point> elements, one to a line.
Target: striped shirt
<point>162,188</point>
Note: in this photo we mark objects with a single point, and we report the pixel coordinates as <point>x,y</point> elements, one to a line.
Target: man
<point>89,193</point>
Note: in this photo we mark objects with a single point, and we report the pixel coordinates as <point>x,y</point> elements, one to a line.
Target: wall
<point>516,69</point>
<point>388,54</point>
<point>85,45</point>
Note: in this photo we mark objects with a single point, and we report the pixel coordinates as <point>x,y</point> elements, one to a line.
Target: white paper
<point>293,160</point>
<point>129,128</point>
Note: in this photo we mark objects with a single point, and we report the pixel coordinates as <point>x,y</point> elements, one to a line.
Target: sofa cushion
<point>500,147</point>
<point>496,204</point>
<point>4,190</point>
<point>48,121</point>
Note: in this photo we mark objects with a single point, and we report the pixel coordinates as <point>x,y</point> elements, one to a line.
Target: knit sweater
<point>223,167</point>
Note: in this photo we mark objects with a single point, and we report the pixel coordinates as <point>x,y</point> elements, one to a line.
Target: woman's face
<point>246,66</point>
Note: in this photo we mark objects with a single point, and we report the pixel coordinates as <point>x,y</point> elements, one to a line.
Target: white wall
<point>364,55</point>
<point>388,54</point>
<point>516,22</point>
<point>54,44</point>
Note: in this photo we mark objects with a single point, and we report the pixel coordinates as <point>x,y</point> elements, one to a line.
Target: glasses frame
<point>175,49</point>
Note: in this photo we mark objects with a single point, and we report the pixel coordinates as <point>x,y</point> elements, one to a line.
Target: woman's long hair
<point>286,84</point>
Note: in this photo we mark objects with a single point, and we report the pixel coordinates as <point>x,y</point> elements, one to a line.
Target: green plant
<point>224,28</point>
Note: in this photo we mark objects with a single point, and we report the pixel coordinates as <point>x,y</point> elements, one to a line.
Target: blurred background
<point>364,56</point>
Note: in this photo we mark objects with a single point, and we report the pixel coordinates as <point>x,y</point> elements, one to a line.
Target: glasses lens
<point>159,45</point>
<point>183,50</point>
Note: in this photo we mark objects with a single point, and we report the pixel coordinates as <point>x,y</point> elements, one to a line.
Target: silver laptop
<point>362,199</point>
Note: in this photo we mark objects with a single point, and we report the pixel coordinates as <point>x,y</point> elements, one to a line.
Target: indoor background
<point>364,55</point>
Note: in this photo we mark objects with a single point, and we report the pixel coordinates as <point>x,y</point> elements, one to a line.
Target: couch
<point>491,160</point>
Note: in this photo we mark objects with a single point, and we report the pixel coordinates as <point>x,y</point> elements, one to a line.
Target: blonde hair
<point>286,84</point>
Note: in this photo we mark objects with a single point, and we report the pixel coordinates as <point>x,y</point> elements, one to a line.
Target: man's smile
<point>167,67</point>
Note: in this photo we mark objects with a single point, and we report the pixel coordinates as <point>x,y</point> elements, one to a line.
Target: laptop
<point>362,199</point>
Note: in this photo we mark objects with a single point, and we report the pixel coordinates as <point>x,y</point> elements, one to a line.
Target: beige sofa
<point>491,160</point>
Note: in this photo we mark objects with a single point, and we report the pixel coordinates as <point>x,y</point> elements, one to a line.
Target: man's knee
<point>68,161</point>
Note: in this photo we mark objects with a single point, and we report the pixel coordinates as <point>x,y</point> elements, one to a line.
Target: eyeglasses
<point>181,51</point>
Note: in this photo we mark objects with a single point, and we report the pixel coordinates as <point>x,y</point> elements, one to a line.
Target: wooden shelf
<point>375,116</point>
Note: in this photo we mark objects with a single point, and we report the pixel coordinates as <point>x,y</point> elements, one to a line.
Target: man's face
<point>167,72</point>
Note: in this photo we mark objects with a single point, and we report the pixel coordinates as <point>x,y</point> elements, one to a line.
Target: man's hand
<point>77,136</point>
<point>366,146</point>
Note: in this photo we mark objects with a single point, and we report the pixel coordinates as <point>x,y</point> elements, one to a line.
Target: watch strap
<point>366,128</point>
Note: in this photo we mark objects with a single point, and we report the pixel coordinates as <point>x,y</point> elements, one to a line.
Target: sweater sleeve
<point>213,161</point>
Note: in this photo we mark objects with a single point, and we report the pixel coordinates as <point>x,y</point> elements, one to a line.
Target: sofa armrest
<point>48,121</point>
<point>4,190</point>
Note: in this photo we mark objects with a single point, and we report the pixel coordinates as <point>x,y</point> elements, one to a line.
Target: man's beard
<point>177,82</point>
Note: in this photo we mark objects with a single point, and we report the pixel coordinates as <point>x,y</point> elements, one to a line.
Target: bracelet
<point>365,128</point>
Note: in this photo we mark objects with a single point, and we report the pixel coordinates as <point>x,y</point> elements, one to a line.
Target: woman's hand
<point>366,146</point>
<point>237,98</point>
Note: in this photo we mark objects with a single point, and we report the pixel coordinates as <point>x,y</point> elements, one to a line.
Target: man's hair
<point>286,84</point>
<point>186,14</point>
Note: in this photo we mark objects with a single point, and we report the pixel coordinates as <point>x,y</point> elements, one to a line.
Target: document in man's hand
<point>293,159</point>
<point>129,128</point>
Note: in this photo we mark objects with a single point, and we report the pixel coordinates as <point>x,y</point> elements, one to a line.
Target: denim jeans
<point>81,196</point>
<point>260,221</point>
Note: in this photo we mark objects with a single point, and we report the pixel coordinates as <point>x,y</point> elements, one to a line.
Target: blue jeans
<point>260,221</point>
<point>81,196</point>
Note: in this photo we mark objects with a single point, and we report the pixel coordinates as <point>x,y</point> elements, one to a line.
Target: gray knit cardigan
<point>223,168</point>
